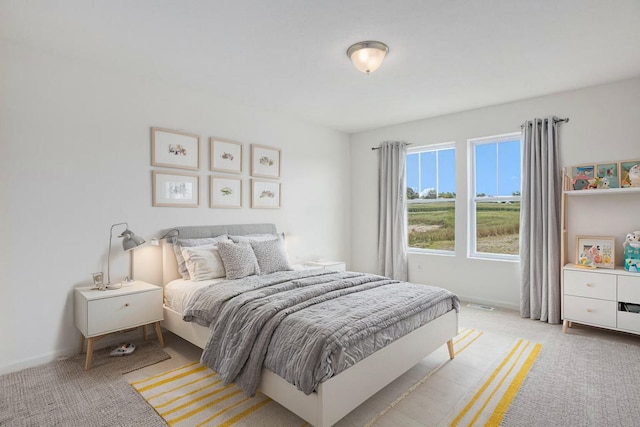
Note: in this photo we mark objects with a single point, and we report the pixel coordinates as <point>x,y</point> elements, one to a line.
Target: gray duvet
<point>307,326</point>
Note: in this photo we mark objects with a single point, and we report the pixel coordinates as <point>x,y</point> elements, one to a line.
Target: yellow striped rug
<point>490,402</point>
<point>193,395</point>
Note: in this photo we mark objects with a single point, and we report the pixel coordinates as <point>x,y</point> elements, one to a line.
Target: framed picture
<point>607,175</point>
<point>226,156</point>
<point>265,161</point>
<point>265,194</point>
<point>176,189</point>
<point>583,177</point>
<point>173,149</point>
<point>630,173</point>
<point>225,192</point>
<point>595,251</point>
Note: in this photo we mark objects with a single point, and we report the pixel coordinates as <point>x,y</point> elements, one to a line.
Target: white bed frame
<point>338,395</point>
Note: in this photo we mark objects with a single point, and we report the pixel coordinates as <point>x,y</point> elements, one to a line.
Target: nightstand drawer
<point>590,310</point>
<point>124,311</point>
<point>591,285</point>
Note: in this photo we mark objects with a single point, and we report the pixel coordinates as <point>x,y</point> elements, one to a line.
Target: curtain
<point>392,212</point>
<point>540,222</point>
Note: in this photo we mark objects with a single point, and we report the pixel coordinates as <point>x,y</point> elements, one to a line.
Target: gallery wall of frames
<point>177,178</point>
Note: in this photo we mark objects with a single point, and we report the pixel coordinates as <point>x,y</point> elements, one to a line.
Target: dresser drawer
<point>629,289</point>
<point>590,310</point>
<point>629,321</point>
<point>591,285</point>
<point>124,311</point>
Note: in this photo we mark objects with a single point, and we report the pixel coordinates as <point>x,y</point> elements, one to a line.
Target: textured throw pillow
<point>238,259</point>
<point>203,262</point>
<point>271,256</point>
<point>178,244</point>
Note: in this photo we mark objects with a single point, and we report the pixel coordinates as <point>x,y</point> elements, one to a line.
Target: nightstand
<point>98,313</point>
<point>328,265</point>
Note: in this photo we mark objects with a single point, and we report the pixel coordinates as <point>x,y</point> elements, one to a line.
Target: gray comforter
<point>303,319</point>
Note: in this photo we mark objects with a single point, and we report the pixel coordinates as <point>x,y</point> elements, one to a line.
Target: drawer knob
<point>589,285</point>
<point>589,310</point>
<point>126,304</point>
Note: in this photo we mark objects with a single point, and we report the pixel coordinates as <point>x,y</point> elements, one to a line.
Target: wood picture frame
<point>175,189</point>
<point>225,155</point>
<point>265,194</point>
<point>629,171</point>
<point>607,175</point>
<point>175,149</point>
<point>225,192</point>
<point>583,177</point>
<point>596,251</point>
<point>265,161</point>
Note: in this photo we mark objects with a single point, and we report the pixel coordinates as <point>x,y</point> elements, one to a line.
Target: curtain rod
<point>555,120</point>
<point>377,148</point>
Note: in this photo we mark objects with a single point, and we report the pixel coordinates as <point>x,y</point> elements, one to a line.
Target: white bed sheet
<point>177,293</point>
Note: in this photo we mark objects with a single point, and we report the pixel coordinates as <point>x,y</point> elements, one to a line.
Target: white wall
<point>603,127</point>
<point>76,159</point>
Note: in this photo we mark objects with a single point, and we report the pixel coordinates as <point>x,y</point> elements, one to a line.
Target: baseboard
<point>108,341</point>
<point>483,301</point>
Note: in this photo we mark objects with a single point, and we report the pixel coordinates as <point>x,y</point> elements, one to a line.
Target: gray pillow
<point>238,259</point>
<point>178,244</point>
<point>271,256</point>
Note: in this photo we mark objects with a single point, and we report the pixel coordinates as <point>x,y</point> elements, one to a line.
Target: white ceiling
<point>289,55</point>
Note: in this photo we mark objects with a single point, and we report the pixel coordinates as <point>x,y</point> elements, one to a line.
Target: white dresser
<point>98,313</point>
<point>597,298</point>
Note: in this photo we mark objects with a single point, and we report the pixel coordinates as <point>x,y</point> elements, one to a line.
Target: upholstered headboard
<point>169,264</point>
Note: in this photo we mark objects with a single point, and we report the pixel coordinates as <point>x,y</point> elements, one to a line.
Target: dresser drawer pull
<point>126,304</point>
<point>589,285</point>
<point>589,310</point>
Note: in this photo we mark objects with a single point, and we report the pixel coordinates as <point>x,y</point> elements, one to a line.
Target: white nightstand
<point>328,265</point>
<point>98,313</point>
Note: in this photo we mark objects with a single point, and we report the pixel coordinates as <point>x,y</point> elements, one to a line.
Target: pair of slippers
<point>123,349</point>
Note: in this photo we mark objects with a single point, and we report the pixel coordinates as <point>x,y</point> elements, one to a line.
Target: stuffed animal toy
<point>632,239</point>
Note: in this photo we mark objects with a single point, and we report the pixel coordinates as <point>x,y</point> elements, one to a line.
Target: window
<point>495,190</point>
<point>431,194</point>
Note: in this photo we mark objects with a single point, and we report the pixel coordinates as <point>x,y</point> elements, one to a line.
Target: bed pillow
<point>238,259</point>
<point>271,256</point>
<point>256,237</point>
<point>203,262</point>
<point>178,244</point>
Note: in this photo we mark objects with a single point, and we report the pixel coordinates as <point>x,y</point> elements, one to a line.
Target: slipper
<point>123,349</point>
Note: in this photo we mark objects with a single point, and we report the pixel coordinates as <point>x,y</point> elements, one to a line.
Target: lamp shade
<point>130,240</point>
<point>367,56</point>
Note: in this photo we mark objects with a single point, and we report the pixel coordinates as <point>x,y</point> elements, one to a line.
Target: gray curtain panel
<point>540,224</point>
<point>392,210</point>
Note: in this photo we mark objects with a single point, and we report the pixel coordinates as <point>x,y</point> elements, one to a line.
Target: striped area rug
<point>193,395</point>
<point>465,337</point>
<point>489,403</point>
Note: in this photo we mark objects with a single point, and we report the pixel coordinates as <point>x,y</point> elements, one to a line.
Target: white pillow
<point>203,262</point>
<point>178,244</point>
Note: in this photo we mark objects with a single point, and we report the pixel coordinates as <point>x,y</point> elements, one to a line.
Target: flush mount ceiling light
<point>367,56</point>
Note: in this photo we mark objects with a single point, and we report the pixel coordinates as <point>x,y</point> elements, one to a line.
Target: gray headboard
<point>169,264</point>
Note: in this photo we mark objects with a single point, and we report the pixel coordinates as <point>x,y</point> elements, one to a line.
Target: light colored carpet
<point>62,393</point>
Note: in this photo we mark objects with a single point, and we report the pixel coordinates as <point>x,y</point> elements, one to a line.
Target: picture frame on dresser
<point>595,251</point>
<point>226,156</point>
<point>175,149</point>
<point>175,189</point>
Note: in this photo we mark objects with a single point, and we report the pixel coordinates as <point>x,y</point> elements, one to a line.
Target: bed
<point>342,392</point>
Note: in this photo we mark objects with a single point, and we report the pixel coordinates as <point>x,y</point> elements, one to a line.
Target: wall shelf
<point>601,191</point>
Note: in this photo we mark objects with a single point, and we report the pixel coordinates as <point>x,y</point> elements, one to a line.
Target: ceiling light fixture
<point>367,56</point>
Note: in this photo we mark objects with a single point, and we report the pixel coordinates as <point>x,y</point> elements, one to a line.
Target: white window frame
<point>420,149</point>
<point>473,199</point>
